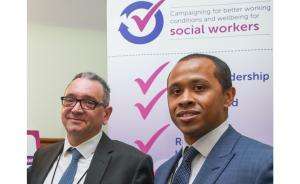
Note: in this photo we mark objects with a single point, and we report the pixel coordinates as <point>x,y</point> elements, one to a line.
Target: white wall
<point>55,55</point>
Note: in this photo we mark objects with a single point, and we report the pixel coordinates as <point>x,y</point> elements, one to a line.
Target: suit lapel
<point>219,157</point>
<point>100,160</point>
<point>169,167</point>
<point>47,161</point>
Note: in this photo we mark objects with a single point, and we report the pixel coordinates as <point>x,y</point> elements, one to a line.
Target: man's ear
<point>229,95</point>
<point>107,113</point>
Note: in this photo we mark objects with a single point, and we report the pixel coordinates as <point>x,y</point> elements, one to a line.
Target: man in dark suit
<point>199,95</point>
<point>87,155</point>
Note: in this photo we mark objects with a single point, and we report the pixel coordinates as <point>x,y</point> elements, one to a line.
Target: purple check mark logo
<point>146,85</point>
<point>144,111</point>
<point>146,147</point>
<point>141,23</point>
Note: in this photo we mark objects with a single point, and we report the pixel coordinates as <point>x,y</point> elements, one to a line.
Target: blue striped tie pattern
<point>183,173</point>
<point>69,174</point>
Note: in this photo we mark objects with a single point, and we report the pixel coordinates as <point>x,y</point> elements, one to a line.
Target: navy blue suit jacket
<point>235,159</point>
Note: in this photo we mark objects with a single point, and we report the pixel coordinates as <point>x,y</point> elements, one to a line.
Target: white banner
<point>147,38</point>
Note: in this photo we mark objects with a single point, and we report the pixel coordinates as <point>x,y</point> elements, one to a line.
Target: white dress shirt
<point>87,150</point>
<point>204,145</point>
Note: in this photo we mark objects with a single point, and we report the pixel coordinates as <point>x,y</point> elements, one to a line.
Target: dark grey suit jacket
<point>114,162</point>
<point>235,159</point>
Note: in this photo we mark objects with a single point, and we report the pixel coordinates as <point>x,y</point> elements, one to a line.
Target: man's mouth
<point>75,119</point>
<point>187,115</point>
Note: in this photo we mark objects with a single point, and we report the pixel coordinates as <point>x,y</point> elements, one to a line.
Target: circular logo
<point>152,10</point>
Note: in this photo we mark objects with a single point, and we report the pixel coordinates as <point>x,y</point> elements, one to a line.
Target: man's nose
<point>186,99</point>
<point>77,108</point>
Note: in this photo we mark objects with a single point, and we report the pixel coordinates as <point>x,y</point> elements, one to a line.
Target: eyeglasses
<point>86,104</point>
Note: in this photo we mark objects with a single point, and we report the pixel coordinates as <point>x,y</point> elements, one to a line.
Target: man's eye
<point>199,87</point>
<point>89,102</point>
<point>175,91</point>
<point>70,100</point>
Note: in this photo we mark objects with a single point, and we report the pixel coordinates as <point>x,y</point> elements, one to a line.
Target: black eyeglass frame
<point>80,100</point>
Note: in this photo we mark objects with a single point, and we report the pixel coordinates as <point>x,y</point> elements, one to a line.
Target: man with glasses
<point>87,155</point>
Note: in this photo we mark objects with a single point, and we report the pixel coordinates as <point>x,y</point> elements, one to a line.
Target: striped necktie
<point>69,174</point>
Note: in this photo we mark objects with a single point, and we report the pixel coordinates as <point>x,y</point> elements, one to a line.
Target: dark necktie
<point>183,173</point>
<point>69,174</point>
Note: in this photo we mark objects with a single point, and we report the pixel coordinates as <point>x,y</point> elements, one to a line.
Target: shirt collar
<point>205,143</point>
<point>86,148</point>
